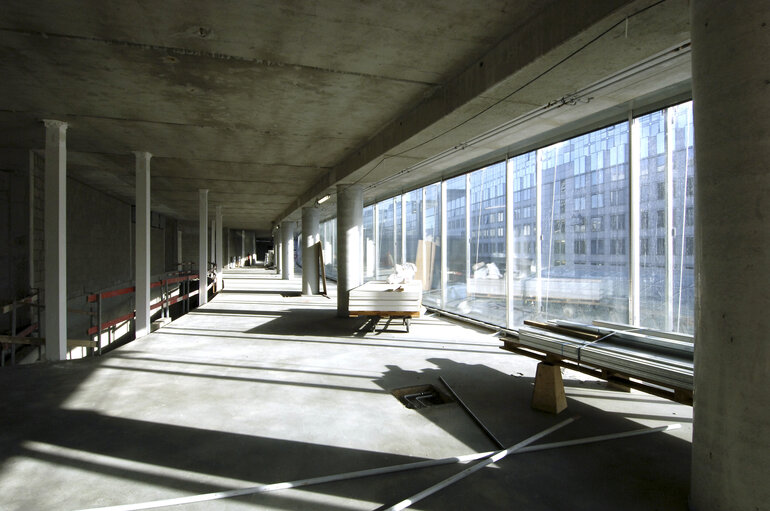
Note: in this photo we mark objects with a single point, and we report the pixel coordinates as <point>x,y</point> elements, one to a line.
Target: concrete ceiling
<point>270,104</point>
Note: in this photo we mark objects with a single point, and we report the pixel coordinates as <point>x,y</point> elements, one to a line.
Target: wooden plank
<point>81,343</point>
<point>394,314</point>
<point>27,300</point>
<point>15,339</point>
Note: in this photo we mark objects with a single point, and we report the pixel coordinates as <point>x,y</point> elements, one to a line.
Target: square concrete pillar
<point>55,240</point>
<point>142,247</point>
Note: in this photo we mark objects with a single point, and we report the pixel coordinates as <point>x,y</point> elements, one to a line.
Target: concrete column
<point>142,247</point>
<point>350,232</point>
<point>220,260</point>
<point>203,256</point>
<point>287,250</point>
<point>310,236</point>
<point>731,77</point>
<point>55,240</point>
<point>277,249</point>
<point>243,247</point>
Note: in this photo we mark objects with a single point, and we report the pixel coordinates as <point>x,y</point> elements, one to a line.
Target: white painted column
<point>179,249</point>
<point>213,244</point>
<point>287,247</point>
<point>243,248</point>
<point>203,256</point>
<point>350,231</point>
<point>731,80</point>
<point>142,247</point>
<point>277,249</point>
<point>310,236</point>
<point>55,240</point>
<point>220,255</point>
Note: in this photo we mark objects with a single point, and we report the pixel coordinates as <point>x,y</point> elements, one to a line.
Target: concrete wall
<point>99,240</point>
<point>189,242</point>
<point>14,239</point>
<point>100,245</point>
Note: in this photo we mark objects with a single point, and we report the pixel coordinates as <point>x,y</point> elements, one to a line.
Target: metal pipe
<point>472,415</point>
<point>475,468</point>
<point>265,488</point>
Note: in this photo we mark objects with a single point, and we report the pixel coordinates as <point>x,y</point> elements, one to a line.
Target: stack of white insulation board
<point>381,298</point>
<point>650,355</point>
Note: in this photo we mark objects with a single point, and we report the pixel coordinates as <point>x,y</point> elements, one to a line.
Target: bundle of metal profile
<point>646,357</point>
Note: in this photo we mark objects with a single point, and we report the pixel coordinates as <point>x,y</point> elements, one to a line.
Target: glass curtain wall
<point>386,240</point>
<point>429,264</point>
<point>667,213</point>
<point>368,244</point>
<point>457,246</point>
<point>413,233</point>
<point>572,213</point>
<point>486,281</point>
<point>525,271</point>
<point>585,224</point>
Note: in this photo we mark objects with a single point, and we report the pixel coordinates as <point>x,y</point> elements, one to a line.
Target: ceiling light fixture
<point>323,199</point>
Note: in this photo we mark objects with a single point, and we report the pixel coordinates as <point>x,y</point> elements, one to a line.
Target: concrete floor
<point>262,385</point>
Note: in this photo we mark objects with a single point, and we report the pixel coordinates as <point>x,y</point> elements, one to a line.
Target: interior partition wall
<point>599,226</point>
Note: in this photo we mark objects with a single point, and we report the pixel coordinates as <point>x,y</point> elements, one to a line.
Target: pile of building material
<point>652,356</point>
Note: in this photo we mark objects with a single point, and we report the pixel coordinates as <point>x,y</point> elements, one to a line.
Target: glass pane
<point>431,246</point>
<point>683,177</point>
<point>457,246</point>
<point>368,246</point>
<point>413,224</point>
<point>486,283</point>
<point>652,224</point>
<point>386,250</point>
<point>399,232</point>
<point>525,236</point>
<point>585,215</point>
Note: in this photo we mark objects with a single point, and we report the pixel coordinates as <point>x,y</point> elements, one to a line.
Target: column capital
<point>142,154</point>
<point>52,123</point>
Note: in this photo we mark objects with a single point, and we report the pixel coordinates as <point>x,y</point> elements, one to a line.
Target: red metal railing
<point>167,299</point>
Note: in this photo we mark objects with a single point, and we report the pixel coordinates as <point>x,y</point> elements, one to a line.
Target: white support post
<point>213,244</point>
<point>203,257</point>
<point>55,240</point>
<point>220,255</point>
<point>142,247</point>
